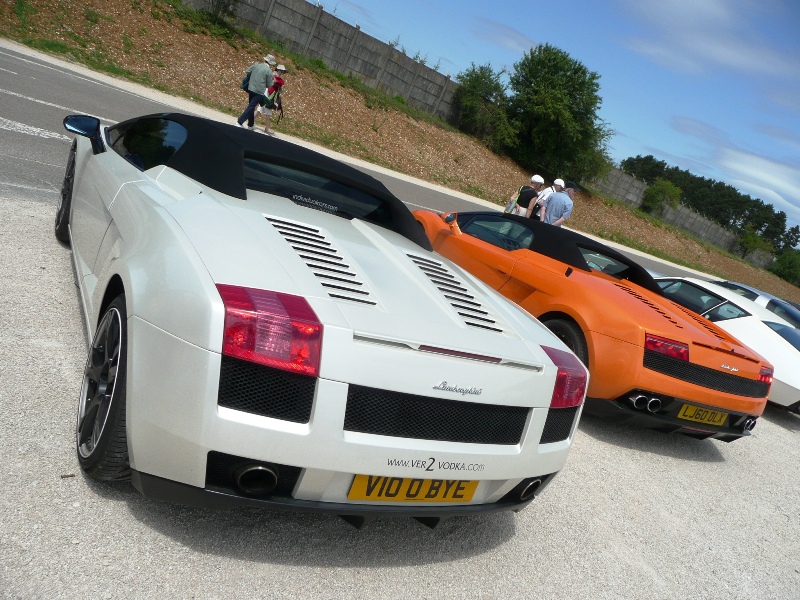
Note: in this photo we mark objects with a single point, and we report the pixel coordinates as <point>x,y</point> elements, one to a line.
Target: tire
<point>65,198</point>
<point>100,433</point>
<point>569,333</point>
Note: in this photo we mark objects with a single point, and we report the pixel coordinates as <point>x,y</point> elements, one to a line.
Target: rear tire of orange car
<point>569,333</point>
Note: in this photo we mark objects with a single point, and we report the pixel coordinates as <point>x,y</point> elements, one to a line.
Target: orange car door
<point>483,249</point>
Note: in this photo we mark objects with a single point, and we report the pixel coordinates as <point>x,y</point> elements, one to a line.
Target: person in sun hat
<point>272,97</point>
<point>523,201</point>
<point>260,78</point>
<point>560,203</point>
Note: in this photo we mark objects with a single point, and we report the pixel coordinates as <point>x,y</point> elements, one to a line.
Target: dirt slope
<point>146,39</point>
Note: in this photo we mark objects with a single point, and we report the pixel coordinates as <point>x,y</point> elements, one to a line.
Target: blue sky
<point>711,86</point>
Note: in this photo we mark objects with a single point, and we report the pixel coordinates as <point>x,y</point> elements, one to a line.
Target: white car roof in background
<point>754,309</point>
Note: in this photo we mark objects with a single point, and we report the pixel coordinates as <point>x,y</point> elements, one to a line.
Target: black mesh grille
<point>404,415</point>
<point>220,468</point>
<point>558,424</point>
<point>265,391</point>
<point>704,376</point>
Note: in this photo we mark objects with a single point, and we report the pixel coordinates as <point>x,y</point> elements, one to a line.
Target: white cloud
<point>503,36</point>
<point>773,182</point>
<point>698,36</point>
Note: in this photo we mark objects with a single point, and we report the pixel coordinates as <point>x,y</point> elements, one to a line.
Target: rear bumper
<point>158,488</point>
<point>666,420</point>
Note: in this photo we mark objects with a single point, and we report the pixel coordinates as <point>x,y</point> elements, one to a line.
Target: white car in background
<point>783,308</point>
<point>270,327</point>
<point>752,324</point>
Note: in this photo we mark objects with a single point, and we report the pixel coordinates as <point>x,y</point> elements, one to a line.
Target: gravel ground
<point>634,514</point>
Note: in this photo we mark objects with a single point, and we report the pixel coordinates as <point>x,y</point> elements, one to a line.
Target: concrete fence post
<point>313,29</point>
<point>268,16</point>
<point>441,95</point>
<point>345,69</point>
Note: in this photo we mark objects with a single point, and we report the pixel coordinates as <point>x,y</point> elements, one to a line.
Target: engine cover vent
<point>338,278</point>
<point>457,293</point>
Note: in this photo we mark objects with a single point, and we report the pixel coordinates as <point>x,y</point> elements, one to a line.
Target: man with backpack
<point>259,78</point>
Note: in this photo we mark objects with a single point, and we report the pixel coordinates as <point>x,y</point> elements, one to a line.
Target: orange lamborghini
<point>652,362</point>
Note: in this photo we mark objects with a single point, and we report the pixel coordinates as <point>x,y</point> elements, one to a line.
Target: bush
<point>662,193</point>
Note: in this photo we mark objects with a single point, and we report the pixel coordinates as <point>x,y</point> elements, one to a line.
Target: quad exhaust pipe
<point>255,479</point>
<point>749,424</point>
<point>642,402</point>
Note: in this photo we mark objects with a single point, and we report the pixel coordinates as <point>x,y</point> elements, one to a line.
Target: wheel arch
<point>114,288</point>
<point>563,316</point>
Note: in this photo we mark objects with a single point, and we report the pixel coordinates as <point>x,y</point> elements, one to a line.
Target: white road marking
<point>66,108</point>
<point>7,71</point>
<point>28,187</point>
<point>31,130</point>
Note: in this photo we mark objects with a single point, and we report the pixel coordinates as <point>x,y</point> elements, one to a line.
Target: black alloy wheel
<point>101,438</point>
<point>569,333</point>
<point>65,198</point>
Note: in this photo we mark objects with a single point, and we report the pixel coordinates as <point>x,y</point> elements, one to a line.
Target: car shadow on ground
<point>290,538</point>
<point>654,442</point>
<point>782,417</point>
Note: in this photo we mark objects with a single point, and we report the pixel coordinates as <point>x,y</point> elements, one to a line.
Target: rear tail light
<point>667,347</point>
<point>765,376</point>
<point>272,329</point>
<point>571,379</point>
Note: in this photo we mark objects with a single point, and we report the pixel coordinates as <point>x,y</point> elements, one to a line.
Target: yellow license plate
<point>702,415</point>
<point>399,489</point>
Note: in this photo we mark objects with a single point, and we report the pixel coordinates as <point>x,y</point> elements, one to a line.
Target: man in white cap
<point>545,194</point>
<point>559,204</point>
<point>523,202</point>
<point>260,79</point>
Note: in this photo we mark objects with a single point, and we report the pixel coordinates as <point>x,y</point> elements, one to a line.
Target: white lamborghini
<point>270,328</point>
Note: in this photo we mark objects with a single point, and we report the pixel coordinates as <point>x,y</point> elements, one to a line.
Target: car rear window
<point>316,192</point>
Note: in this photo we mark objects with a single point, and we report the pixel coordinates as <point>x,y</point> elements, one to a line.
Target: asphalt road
<point>634,514</point>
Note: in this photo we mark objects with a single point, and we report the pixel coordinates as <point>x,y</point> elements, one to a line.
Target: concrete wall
<point>629,190</point>
<point>307,29</point>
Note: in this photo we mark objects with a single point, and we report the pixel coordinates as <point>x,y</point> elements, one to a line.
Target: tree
<point>646,168</point>
<point>480,103</point>
<point>554,106</point>
<point>790,239</point>
<point>787,266</point>
<point>662,193</point>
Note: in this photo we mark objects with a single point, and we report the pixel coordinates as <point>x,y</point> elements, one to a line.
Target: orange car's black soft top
<point>565,246</point>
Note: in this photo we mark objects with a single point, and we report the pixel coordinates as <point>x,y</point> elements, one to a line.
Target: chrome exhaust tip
<point>749,424</point>
<point>638,401</point>
<point>255,479</point>
<point>530,490</point>
<point>654,405</point>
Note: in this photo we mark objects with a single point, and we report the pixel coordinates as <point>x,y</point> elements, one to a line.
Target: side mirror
<point>87,127</point>
<point>451,218</point>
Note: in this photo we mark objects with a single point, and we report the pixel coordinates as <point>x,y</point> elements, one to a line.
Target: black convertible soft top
<point>214,154</point>
<point>565,246</point>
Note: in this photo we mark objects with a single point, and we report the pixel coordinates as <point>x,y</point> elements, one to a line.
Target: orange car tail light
<point>765,376</point>
<point>571,379</point>
<point>667,347</point>
<point>272,329</point>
